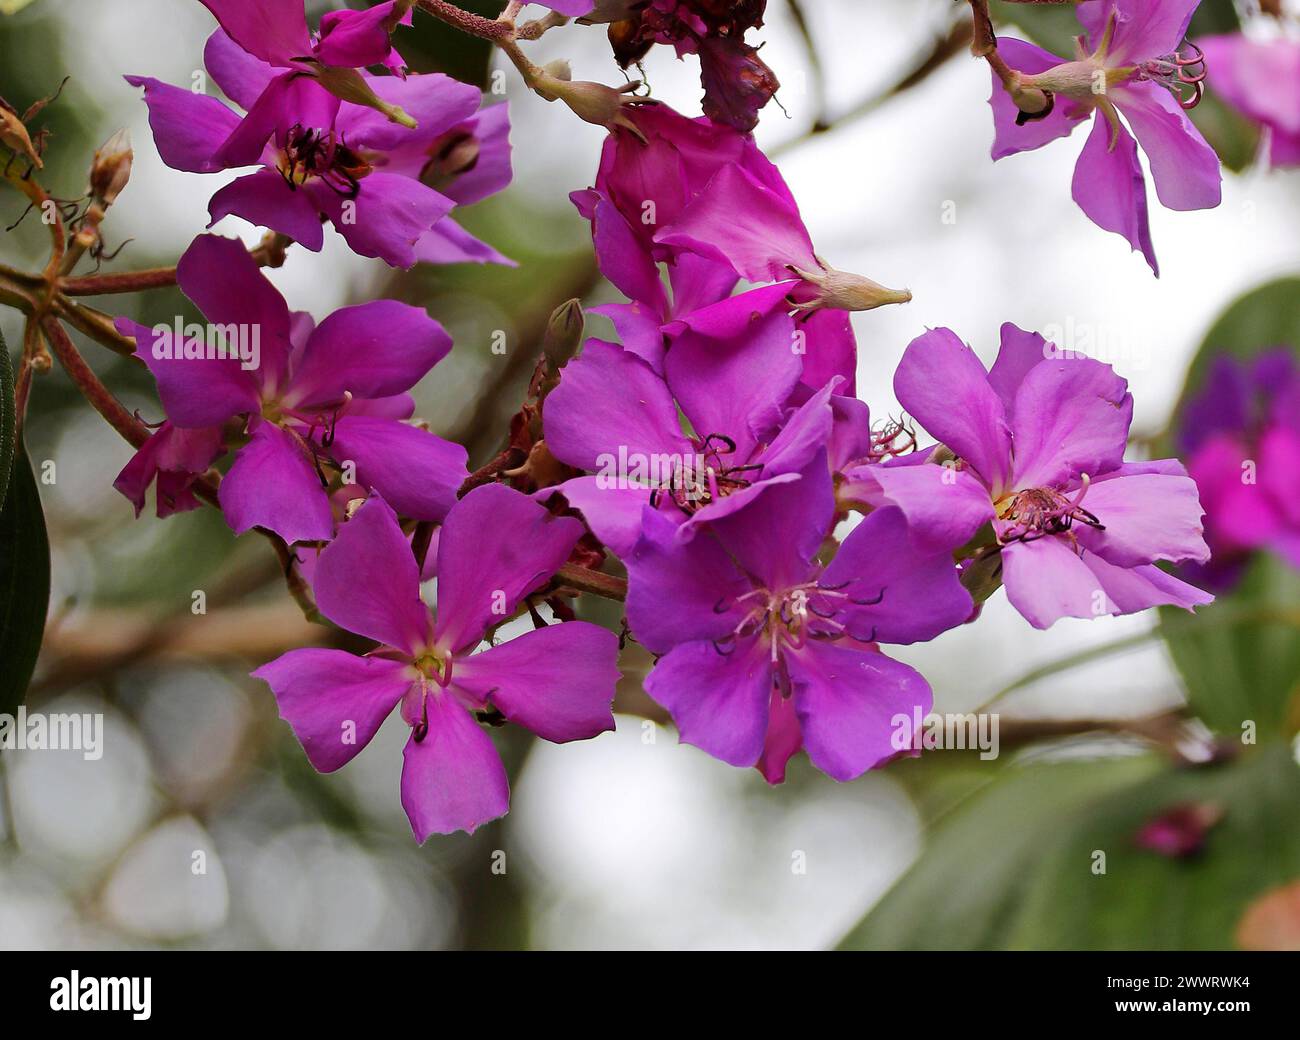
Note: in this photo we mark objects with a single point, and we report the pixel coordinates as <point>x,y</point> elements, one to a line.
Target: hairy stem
<point>466,21</point>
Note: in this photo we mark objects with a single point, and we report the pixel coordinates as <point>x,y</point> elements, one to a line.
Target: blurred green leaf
<point>1249,672</point>
<point>7,417</point>
<point>1234,138</point>
<point>429,45</point>
<point>1214,16</point>
<point>24,583</point>
<point>1014,867</point>
<point>1266,317</point>
<point>13,6</point>
<point>1052,28</point>
<point>964,891</point>
<point>1149,901</point>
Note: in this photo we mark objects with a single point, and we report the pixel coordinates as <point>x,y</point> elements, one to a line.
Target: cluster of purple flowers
<point>764,604</point>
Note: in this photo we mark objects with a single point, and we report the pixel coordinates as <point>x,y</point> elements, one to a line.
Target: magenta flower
<point>495,548</point>
<point>1261,79</point>
<point>1038,446</point>
<point>276,32</point>
<point>644,187</point>
<point>1241,439</point>
<point>1132,62</point>
<point>387,189</point>
<point>765,651</point>
<point>613,416</point>
<point>308,396</point>
<point>174,458</point>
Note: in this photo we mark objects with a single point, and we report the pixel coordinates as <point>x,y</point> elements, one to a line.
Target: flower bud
<point>14,136</point>
<point>563,333</point>
<point>349,85</point>
<point>840,290</point>
<point>111,168</point>
<point>592,102</point>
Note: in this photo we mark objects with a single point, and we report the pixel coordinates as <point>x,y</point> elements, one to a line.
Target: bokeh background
<point>630,840</point>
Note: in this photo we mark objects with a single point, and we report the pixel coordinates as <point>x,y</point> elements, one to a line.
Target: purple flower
<point>614,416</point>
<point>494,549</point>
<point>645,187</point>
<point>174,457</point>
<point>1132,62</point>
<point>1036,450</point>
<point>1241,439</point>
<point>309,396</point>
<point>1261,79</point>
<point>386,189</point>
<point>765,651</point>
<point>680,189</point>
<point>276,32</point>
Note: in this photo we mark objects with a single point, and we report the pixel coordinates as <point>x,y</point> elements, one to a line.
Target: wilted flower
<point>736,81</point>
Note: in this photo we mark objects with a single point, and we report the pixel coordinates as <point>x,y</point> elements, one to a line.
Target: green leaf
<point>1013,868</point>
<point>24,584</point>
<point>1149,901</point>
<point>7,418</point>
<point>429,45</point>
<point>964,890</point>
<point>1263,318</point>
<point>13,6</point>
<point>1051,27</point>
<point>1244,672</point>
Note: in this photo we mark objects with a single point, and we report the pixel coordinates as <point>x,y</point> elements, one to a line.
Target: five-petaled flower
<point>495,548</point>
<point>1133,62</point>
<point>329,394</point>
<point>765,650</point>
<point>1037,454</point>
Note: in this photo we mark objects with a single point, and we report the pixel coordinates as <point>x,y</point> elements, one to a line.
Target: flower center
<point>1181,73</point>
<point>715,475</point>
<point>1037,512</point>
<point>434,675</point>
<point>788,618</point>
<point>311,154</point>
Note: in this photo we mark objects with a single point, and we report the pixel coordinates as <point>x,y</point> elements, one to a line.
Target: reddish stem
<point>100,397</point>
<point>466,21</point>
